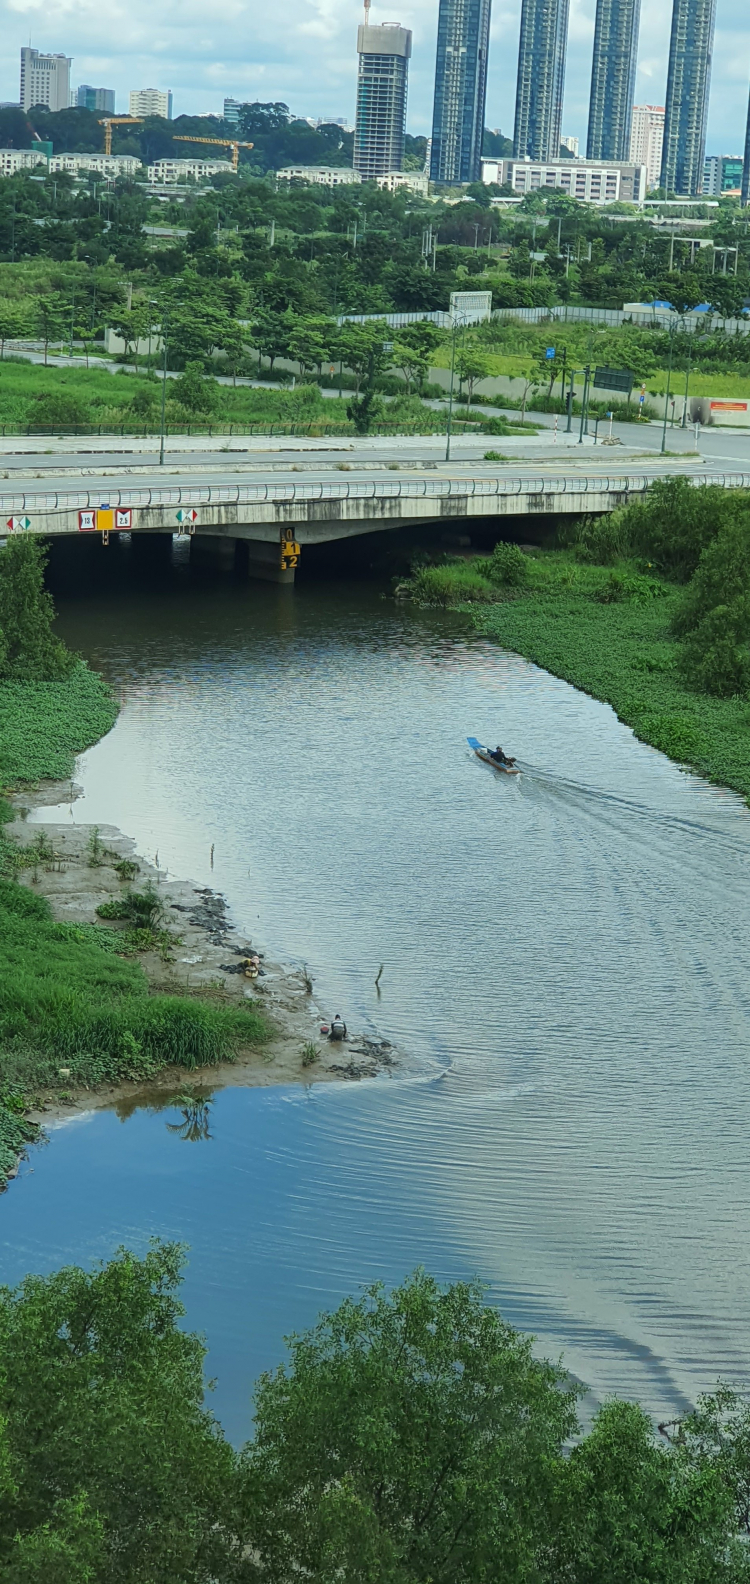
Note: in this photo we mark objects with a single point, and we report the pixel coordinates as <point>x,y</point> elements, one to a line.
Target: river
<point>564,968</point>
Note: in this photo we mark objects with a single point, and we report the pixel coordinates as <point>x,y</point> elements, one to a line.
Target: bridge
<point>278,514</point>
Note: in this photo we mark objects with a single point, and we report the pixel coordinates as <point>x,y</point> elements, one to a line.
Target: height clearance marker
<point>87,521</point>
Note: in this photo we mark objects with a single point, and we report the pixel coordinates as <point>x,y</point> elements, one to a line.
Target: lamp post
<point>672,330</point>
<point>164,328</point>
<point>458,324</point>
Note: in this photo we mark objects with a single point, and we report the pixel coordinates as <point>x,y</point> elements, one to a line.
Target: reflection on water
<point>564,960</point>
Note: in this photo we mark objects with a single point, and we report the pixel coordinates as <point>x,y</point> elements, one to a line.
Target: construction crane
<point>110,121</point>
<point>219,142</point>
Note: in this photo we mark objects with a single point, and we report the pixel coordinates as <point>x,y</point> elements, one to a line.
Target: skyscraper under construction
<point>380,125</point>
<point>686,108</point>
<point>613,79</point>
<point>460,90</point>
<point>541,79</point>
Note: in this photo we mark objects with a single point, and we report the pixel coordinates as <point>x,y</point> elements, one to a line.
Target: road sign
<point>550,352</point>
<point>87,521</point>
<point>17,523</point>
<point>123,517</point>
<point>105,519</point>
<point>614,379</point>
<point>187,515</point>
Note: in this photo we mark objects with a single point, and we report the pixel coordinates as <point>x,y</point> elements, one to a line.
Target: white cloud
<point>305,54</point>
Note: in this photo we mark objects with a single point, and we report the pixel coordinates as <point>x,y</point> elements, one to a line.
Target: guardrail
<point>377,489</point>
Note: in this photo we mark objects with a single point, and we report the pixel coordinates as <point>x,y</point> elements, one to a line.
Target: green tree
<point>361,348</point>
<point>134,325</point>
<point>50,319</point>
<point>471,365</point>
<point>415,345</point>
<point>194,392</point>
<point>117,1471</point>
<point>31,652</point>
<point>714,616</point>
<point>414,1437</point>
<point>15,321</point>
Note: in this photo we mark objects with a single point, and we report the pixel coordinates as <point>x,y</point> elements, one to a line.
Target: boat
<point>486,757</point>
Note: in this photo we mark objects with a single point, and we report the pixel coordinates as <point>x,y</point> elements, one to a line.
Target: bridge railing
<point>351,489</point>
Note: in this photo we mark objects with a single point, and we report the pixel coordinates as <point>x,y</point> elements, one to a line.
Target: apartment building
<point>150,102</point>
<point>591,181</point>
<point>45,80</point>
<point>647,139</point>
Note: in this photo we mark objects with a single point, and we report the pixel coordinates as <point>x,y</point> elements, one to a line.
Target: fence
<point>640,313</point>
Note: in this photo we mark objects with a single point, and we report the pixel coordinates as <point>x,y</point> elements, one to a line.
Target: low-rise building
<point>415,181</point>
<point>12,160</point>
<point>591,181</point>
<point>320,175</point>
<point>182,170</point>
<point>112,165</point>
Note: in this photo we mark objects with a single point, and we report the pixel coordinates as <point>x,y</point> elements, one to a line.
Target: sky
<point>305,54</point>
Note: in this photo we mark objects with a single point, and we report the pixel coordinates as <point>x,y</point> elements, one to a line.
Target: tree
<point>714,617</point>
<point>361,348</point>
<point>193,391</point>
<point>133,325</point>
<point>14,321</point>
<point>115,1469</point>
<point>49,315</point>
<point>413,1437</point>
<point>310,341</point>
<point>413,349</point>
<point>471,365</point>
<point>30,650</point>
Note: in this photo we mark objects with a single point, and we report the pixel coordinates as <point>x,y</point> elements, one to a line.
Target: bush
<point>716,657</point>
<point>507,565</point>
<point>722,576</point>
<point>57,410</point>
<point>194,391</point>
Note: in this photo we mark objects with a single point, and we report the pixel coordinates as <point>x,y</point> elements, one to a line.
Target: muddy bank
<point>205,958</point>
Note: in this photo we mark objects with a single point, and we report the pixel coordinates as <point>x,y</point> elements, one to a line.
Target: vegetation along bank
<point>647,609</point>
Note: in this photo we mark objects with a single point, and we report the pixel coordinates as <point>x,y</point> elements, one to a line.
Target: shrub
<point>194,391</point>
<point>602,540</point>
<point>716,657</point>
<point>507,565</point>
<point>29,649</point>
<point>722,576</point>
<point>57,410</point>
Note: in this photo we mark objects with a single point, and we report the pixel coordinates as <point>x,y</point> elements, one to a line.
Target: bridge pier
<point>264,561</point>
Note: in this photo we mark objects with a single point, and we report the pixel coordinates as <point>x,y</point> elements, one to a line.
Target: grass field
<point>571,620</point>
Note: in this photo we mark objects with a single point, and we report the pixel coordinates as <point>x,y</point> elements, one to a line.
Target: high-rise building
<point>232,109</point>
<point>646,140</point>
<point>613,79</point>
<point>460,90</point>
<point>151,102</point>
<point>541,79</point>
<point>571,144</point>
<point>384,54</point>
<point>45,80</point>
<point>722,173</point>
<point>88,98</point>
<point>688,81</point>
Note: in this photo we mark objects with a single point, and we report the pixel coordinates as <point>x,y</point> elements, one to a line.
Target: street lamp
<point>458,323</point>
<point>672,333</point>
<point>164,328</point>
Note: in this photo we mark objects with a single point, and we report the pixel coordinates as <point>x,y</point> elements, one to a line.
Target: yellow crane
<point>220,143</point>
<point>110,121</point>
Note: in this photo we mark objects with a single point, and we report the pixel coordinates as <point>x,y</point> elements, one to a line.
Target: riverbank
<point>607,631</point>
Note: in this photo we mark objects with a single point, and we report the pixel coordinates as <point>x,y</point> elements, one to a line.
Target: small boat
<point>485,755</point>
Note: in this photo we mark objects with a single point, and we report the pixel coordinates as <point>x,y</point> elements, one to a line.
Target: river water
<point>564,966</point>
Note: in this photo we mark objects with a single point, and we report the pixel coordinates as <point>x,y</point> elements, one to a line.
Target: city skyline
<point>204,72</point>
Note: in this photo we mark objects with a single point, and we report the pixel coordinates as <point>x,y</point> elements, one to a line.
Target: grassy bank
<point>606,631</point>
<point>76,1008</point>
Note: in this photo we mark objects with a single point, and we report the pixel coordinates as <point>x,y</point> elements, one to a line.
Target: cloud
<point>306,55</point>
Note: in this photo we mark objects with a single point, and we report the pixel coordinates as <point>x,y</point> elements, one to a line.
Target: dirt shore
<point>204,959</point>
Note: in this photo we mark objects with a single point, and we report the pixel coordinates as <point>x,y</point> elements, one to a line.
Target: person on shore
<point>338,1028</point>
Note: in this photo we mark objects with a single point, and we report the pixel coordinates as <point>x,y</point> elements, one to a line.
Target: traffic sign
<point>123,517</point>
<point>87,521</point>
<point>550,352</point>
<point>187,515</point>
<point>16,523</point>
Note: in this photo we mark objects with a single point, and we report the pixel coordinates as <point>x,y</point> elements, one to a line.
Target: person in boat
<point>338,1028</point>
<point>498,756</point>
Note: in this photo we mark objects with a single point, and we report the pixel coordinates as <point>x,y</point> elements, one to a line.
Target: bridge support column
<point>264,561</point>
<point>214,550</point>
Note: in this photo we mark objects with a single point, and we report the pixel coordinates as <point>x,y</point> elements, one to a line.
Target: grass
<point>607,631</point>
<point>43,725</point>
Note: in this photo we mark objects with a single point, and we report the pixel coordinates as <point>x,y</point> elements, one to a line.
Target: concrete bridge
<point>279,515</point>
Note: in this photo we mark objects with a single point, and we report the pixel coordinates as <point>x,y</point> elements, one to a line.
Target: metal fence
<point>350,490</point>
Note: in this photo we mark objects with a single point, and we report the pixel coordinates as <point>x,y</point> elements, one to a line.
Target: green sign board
<point>614,379</point>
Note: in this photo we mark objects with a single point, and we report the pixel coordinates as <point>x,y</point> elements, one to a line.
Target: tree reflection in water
<point>195,1106</point>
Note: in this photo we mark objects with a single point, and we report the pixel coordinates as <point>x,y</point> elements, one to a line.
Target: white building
<point>646,139</point>
<point>112,165</point>
<point>182,170</point>
<point>591,181</point>
<point>320,175</point>
<point>415,181</point>
<point>572,144</point>
<point>150,102</point>
<point>45,80</point>
<point>12,160</point>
